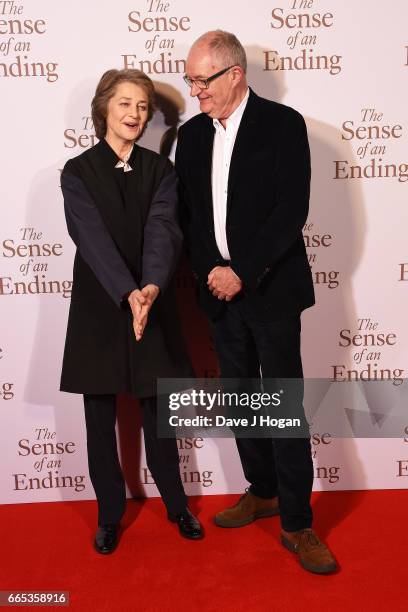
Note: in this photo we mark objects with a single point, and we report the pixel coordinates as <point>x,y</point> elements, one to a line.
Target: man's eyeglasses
<point>204,83</point>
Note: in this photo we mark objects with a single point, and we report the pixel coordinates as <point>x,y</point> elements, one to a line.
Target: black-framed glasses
<point>203,83</point>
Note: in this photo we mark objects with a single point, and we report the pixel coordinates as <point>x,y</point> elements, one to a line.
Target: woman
<point>123,332</point>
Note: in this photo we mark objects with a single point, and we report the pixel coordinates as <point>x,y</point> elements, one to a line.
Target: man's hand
<point>140,303</point>
<point>224,283</point>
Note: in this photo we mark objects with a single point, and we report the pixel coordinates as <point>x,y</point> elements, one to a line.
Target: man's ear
<point>237,75</point>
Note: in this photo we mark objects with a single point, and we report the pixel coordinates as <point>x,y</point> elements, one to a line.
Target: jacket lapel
<point>137,202</point>
<point>243,143</point>
<point>207,148</point>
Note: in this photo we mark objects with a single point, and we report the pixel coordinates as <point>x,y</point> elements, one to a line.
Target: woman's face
<point>127,113</point>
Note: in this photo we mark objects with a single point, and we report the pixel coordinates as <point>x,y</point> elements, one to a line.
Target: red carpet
<point>48,547</point>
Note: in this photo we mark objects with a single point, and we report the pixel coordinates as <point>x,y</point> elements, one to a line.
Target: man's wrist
<point>235,273</point>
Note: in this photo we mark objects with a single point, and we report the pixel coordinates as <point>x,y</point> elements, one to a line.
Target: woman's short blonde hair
<point>106,89</point>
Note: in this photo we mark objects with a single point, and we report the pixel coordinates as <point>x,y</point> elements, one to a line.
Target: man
<point>244,169</point>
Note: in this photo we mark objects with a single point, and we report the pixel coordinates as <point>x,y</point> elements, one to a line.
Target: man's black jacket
<point>267,207</point>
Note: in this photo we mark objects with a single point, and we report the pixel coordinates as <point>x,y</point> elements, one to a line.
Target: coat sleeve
<point>93,241</point>
<point>287,218</point>
<point>162,237</point>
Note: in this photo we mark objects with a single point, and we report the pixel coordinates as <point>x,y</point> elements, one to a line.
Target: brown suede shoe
<point>248,509</point>
<point>314,556</point>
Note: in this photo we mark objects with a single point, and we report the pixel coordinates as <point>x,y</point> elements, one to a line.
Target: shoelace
<point>308,539</point>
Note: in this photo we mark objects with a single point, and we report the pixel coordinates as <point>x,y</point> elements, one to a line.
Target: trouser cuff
<point>262,492</point>
<point>295,525</point>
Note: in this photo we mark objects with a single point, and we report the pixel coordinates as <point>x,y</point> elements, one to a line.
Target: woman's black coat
<point>127,236</point>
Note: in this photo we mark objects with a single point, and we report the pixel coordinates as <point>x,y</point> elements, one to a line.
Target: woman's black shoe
<point>106,538</point>
<point>189,526</point>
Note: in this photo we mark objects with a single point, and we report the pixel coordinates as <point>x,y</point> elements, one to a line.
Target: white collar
<point>236,116</point>
<point>124,163</point>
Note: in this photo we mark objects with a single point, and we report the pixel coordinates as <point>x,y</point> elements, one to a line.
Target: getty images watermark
<point>231,407</point>
<point>282,408</point>
<point>209,401</point>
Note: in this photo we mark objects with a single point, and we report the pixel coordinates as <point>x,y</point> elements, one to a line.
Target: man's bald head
<point>223,47</point>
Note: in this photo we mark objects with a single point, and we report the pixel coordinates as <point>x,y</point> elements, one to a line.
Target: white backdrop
<point>344,66</point>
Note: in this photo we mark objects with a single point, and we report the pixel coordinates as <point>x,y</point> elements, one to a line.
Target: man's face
<point>216,101</point>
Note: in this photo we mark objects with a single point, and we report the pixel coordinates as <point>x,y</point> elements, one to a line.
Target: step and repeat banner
<point>344,66</point>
